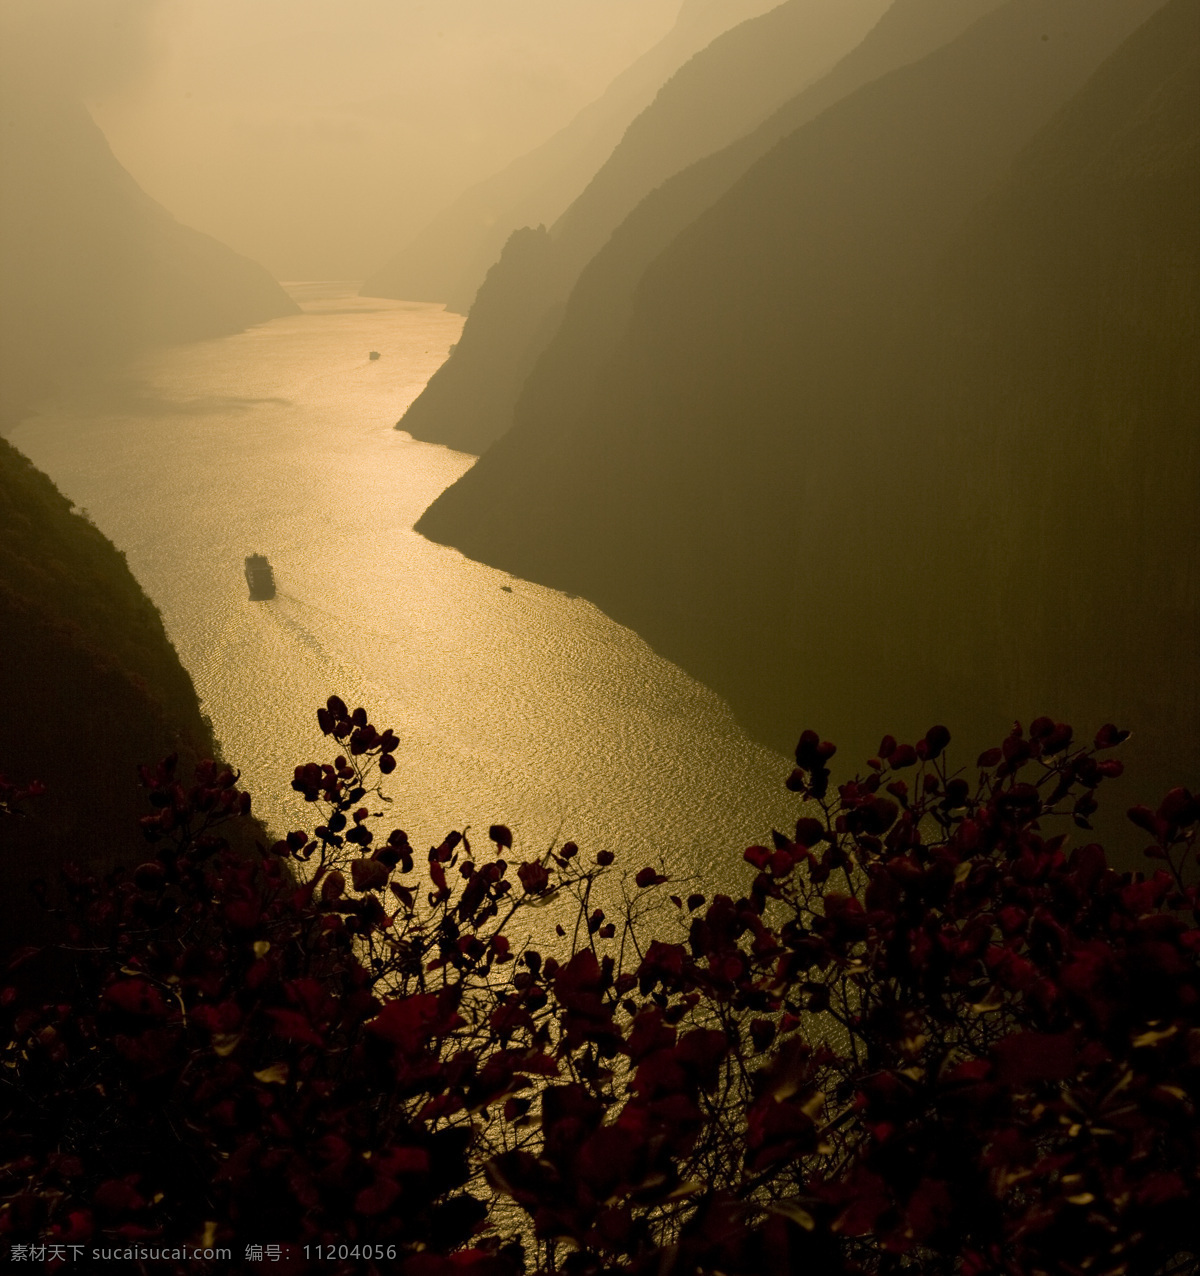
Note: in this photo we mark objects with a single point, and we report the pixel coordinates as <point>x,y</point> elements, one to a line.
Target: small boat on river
<point>260,578</point>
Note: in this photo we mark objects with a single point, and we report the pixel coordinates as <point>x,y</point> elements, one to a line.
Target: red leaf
<point>1145,818</point>
<point>759,856</point>
<point>406,1161</point>
<point>150,876</point>
<point>1035,1056</point>
<point>376,1198</point>
<point>867,1196</point>
<point>368,874</point>
<point>809,832</point>
<point>412,1022</point>
<point>293,1026</point>
<point>118,1196</point>
<point>135,997</point>
<point>929,1208</point>
<point>969,1070</point>
<point>534,877</point>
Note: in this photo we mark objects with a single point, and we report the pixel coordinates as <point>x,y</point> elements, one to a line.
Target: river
<point>513,703</point>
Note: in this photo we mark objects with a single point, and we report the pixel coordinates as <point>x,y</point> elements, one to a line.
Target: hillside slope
<point>520,310</point>
<point>448,260</point>
<point>91,268</point>
<point>904,427</point>
<point>90,687</point>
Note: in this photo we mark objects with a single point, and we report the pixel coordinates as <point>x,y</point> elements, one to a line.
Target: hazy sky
<point>317,135</point>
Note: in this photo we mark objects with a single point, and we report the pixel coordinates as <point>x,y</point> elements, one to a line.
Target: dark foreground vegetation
<point>936,1033</point>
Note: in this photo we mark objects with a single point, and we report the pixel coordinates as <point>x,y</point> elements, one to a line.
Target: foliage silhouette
<point>926,1038</point>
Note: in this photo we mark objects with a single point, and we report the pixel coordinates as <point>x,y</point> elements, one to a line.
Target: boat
<point>260,578</point>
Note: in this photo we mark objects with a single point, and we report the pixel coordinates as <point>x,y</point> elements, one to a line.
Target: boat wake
<point>289,622</point>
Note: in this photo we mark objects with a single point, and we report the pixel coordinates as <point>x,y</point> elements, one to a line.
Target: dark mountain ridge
<point>721,94</point>
<point>885,437</point>
<point>90,686</point>
<point>573,344</point>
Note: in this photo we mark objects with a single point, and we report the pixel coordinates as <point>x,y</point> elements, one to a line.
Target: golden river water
<point>518,705</point>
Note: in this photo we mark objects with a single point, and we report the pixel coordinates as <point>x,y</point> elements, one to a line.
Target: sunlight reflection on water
<point>524,707</point>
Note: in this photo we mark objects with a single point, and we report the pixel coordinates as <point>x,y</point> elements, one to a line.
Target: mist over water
<point>526,707</point>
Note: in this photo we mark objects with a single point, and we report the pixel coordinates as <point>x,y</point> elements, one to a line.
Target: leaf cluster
<point>929,1036</point>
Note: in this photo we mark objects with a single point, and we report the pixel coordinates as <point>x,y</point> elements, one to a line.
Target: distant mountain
<point>90,687</point>
<point>584,334</point>
<point>448,260</point>
<point>91,268</point>
<point>470,402</point>
<point>904,428</point>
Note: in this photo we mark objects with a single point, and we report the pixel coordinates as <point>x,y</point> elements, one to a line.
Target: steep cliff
<point>91,268</point>
<point>904,427</point>
<point>519,314</point>
<point>90,687</point>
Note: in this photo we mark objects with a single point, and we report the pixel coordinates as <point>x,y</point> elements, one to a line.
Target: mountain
<point>718,96</point>
<point>449,259</point>
<point>903,429</point>
<point>91,268</point>
<point>90,687</point>
<point>470,402</point>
